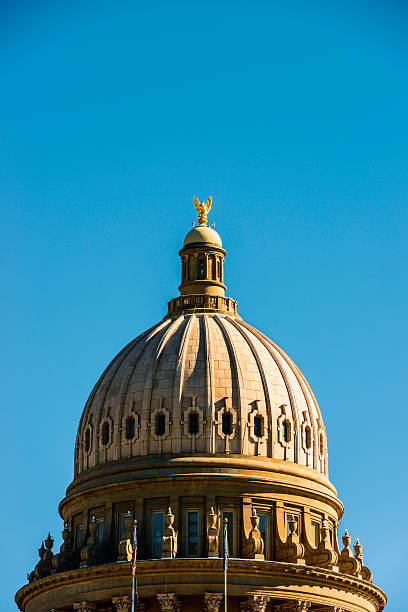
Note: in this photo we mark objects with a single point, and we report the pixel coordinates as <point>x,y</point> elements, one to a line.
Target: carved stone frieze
<point>84,606</point>
<point>125,547</point>
<point>347,563</point>
<point>298,605</point>
<point>254,544</point>
<point>255,603</point>
<point>212,534</point>
<point>90,553</point>
<point>122,604</point>
<point>168,602</point>
<point>63,561</point>
<point>169,548</point>
<point>212,602</point>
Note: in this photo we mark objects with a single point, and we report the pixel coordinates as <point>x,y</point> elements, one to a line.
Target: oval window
<point>160,424</point>
<point>105,433</point>
<point>308,437</point>
<point>193,423</point>
<point>130,428</point>
<point>227,423</point>
<point>286,431</point>
<point>321,444</point>
<point>258,426</point>
<point>87,440</point>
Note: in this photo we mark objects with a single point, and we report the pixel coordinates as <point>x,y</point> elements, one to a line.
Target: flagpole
<point>226,554</point>
<point>134,575</point>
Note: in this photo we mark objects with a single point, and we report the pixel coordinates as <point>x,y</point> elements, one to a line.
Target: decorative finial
<point>202,209</point>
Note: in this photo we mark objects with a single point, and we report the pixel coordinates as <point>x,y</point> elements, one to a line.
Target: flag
<point>134,551</point>
<point>226,551</point>
<point>135,594</point>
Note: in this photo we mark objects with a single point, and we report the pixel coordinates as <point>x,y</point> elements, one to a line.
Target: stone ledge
<point>192,576</point>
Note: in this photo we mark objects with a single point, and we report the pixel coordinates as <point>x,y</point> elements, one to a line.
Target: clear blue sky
<point>294,116</point>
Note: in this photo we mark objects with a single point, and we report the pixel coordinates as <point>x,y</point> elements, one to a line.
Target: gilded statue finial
<point>202,209</point>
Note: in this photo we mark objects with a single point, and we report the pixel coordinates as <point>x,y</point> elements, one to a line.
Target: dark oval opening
<point>160,424</point>
<point>130,428</point>
<point>308,437</point>
<point>227,423</point>
<point>105,434</point>
<point>258,429</point>
<point>87,441</point>
<point>193,423</point>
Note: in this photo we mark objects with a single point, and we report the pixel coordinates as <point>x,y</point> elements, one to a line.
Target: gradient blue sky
<point>294,116</point>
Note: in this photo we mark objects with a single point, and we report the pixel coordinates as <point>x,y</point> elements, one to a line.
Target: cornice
<point>296,574</point>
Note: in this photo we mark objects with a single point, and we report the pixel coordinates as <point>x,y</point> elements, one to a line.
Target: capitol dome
<point>201,381</point>
<point>201,440</point>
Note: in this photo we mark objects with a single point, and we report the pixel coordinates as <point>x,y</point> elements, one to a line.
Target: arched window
<point>193,423</point>
<point>130,427</point>
<point>105,433</point>
<point>87,440</point>
<point>286,431</point>
<point>321,444</point>
<point>227,423</point>
<point>160,427</point>
<point>258,426</point>
<point>308,437</point>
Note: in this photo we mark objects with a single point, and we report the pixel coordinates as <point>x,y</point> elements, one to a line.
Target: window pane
<point>121,524</point>
<point>192,529</point>
<point>315,533</point>
<point>78,536</point>
<point>262,524</point>
<point>229,515</point>
<point>157,534</point>
<point>99,530</point>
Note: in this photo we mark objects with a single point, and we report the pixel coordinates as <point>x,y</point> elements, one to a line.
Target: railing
<point>202,303</point>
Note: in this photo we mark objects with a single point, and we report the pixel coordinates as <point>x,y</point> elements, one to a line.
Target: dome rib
<point>209,389</point>
<point>147,391</point>
<point>82,423</point>
<point>240,383</point>
<point>125,385</point>
<point>299,376</point>
<point>179,380</point>
<point>263,378</point>
<point>102,401</point>
<point>289,389</point>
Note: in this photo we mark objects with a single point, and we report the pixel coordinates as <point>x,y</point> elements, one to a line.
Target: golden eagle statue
<point>202,209</point>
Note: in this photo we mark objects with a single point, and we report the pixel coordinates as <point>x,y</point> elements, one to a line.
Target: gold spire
<point>202,209</point>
